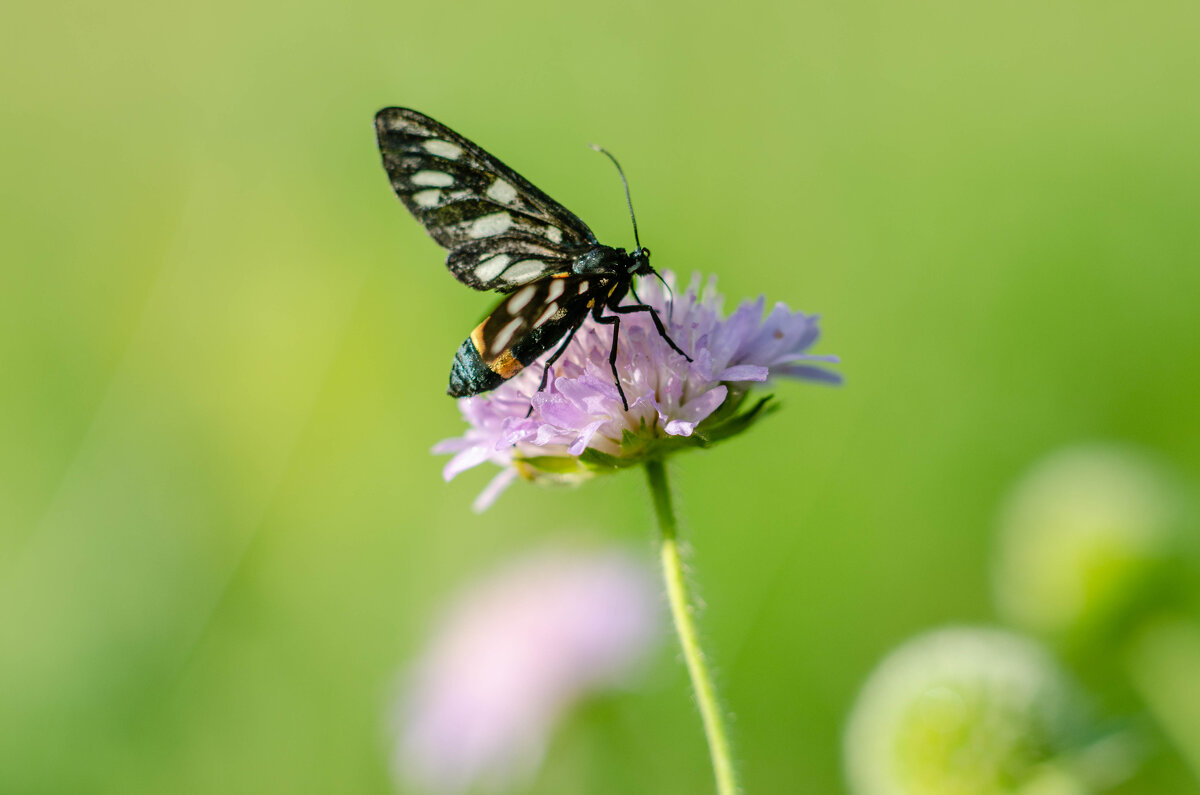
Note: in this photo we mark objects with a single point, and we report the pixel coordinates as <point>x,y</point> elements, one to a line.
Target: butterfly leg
<point>615,322</point>
<point>658,324</point>
<point>550,363</point>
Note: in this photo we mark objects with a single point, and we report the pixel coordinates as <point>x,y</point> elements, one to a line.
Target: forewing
<point>505,263</point>
<point>529,321</point>
<point>468,200</point>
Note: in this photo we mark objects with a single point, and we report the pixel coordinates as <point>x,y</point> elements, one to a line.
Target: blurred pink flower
<point>512,652</point>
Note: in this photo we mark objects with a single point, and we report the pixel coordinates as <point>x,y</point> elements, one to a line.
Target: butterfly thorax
<point>603,260</point>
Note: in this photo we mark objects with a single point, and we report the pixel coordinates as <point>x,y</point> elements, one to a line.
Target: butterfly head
<point>639,262</point>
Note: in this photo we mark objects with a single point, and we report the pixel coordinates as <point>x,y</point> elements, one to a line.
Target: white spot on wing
<point>520,299</point>
<point>433,179</point>
<point>501,341</point>
<point>523,271</point>
<point>428,198</point>
<point>489,225</point>
<point>490,268</point>
<point>549,313</point>
<point>436,146</point>
<point>554,233</point>
<point>500,191</point>
<point>556,289</point>
<point>583,287</point>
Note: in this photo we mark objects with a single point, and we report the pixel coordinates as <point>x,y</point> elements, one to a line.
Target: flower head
<point>511,654</point>
<point>578,425</point>
<point>964,711</point>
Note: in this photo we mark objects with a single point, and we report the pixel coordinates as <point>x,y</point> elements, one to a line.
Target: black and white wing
<point>501,230</point>
<point>529,321</point>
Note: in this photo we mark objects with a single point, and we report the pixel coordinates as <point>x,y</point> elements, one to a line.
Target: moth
<point>504,234</point>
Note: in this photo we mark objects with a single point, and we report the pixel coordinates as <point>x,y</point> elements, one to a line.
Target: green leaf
<point>598,461</point>
<point>727,429</point>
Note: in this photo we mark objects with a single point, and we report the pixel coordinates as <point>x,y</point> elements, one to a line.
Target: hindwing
<point>530,320</point>
<point>505,263</point>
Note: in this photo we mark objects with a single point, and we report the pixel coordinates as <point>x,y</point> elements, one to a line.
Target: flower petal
<point>580,444</point>
<point>696,411</point>
<point>744,372</point>
<point>808,373</point>
<point>493,490</point>
<point>471,457</point>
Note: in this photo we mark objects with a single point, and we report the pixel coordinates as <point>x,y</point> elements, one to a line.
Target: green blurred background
<point>225,347</point>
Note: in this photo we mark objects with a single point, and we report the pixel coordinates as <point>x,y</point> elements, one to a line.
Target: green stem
<point>685,627</point>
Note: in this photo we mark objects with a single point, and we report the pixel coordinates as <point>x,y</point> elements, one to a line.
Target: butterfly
<point>504,234</point>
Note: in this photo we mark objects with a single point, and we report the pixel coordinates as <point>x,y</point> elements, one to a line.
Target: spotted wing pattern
<point>530,320</point>
<point>502,231</point>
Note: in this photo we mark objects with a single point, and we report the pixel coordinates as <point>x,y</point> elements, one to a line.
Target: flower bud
<point>1082,538</point>
<point>963,711</point>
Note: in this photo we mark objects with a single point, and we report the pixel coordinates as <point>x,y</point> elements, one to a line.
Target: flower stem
<point>685,627</point>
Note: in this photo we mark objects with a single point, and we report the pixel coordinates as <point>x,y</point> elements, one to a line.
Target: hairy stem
<point>685,626</point>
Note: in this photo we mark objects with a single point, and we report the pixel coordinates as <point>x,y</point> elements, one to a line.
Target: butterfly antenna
<point>633,218</point>
<point>624,182</point>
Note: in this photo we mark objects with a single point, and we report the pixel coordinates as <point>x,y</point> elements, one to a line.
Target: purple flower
<point>578,425</point>
<point>512,653</point>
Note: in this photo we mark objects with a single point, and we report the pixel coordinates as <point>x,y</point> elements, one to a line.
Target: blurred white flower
<point>963,711</point>
<point>512,652</point>
<point>1083,535</point>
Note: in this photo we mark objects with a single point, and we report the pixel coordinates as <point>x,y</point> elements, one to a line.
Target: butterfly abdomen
<point>470,375</point>
<point>528,323</point>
